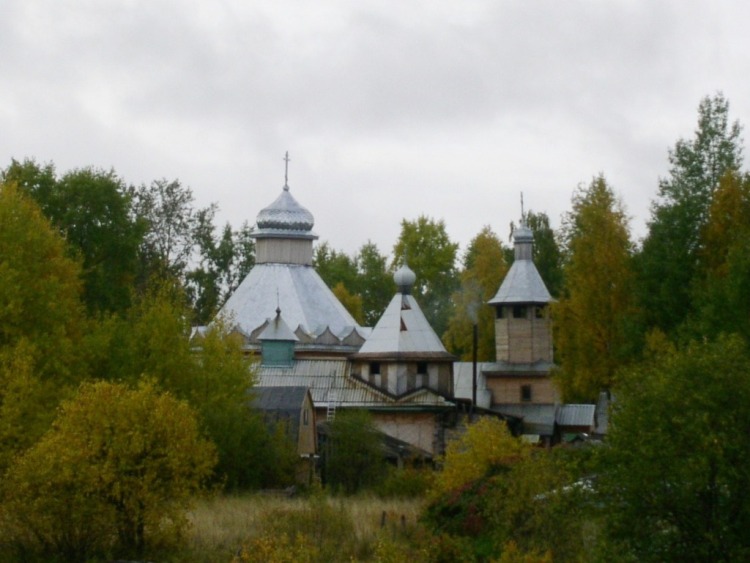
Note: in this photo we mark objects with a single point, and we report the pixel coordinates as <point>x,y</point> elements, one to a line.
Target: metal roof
<point>463,383</point>
<point>298,290</point>
<point>537,419</point>
<point>278,398</point>
<point>277,329</point>
<point>575,415</point>
<point>541,368</point>
<point>329,381</point>
<point>285,217</point>
<point>403,330</point>
<point>522,284</point>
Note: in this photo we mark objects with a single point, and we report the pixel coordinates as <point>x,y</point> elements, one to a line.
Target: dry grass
<point>222,525</point>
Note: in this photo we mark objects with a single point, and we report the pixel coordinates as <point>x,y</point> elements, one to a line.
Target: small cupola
<point>277,343</point>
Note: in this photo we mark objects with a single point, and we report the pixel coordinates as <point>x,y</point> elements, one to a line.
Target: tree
<point>209,371</point>
<point>592,316</point>
<point>169,242</point>
<point>675,469</point>
<point>721,290</point>
<point>336,267</point>
<point>40,286</point>
<point>42,323</point>
<point>117,471</point>
<point>547,255</point>
<point>484,270</point>
<point>376,285</point>
<point>503,495</point>
<point>424,244</point>
<point>224,262</point>
<point>668,260</point>
<point>93,210</point>
<point>353,455</point>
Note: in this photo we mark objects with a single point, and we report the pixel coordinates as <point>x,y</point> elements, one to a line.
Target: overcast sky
<point>389,110</point>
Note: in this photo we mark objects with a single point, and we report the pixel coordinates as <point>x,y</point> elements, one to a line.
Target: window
<point>374,368</point>
<point>525,393</point>
<point>539,312</point>
<point>519,312</point>
<point>500,313</point>
<point>422,368</point>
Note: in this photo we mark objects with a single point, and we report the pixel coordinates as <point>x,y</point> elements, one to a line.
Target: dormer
<point>277,343</point>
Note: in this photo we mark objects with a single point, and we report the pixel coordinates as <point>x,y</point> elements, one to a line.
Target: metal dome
<point>404,278</point>
<point>285,214</point>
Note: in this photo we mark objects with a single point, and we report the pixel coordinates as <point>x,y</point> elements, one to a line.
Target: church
<point>300,336</point>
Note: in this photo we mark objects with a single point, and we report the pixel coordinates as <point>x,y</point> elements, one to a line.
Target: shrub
<point>114,475</point>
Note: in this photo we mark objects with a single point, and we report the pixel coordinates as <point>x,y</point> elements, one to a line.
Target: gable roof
<point>330,382</point>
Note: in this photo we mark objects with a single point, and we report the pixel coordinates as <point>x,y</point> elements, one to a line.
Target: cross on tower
<point>286,169</point>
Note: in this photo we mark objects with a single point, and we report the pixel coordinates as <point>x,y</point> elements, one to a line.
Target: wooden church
<point>298,335</point>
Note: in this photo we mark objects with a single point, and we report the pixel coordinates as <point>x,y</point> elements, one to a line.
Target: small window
<point>422,368</point>
<point>519,312</point>
<point>525,393</point>
<point>375,368</point>
<point>539,312</point>
<point>500,312</point>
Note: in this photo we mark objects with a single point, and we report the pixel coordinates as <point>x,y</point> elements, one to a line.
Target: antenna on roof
<point>286,170</point>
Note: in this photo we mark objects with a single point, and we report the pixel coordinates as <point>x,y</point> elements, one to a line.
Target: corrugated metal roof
<point>575,415</point>
<point>278,398</point>
<point>329,380</point>
<point>403,329</point>
<point>297,289</point>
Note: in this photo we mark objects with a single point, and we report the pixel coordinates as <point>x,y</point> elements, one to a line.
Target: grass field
<point>346,528</point>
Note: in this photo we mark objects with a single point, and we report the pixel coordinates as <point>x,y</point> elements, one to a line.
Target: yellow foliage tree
<point>484,270</point>
<point>591,318</point>
<point>484,444</point>
<point>114,475</point>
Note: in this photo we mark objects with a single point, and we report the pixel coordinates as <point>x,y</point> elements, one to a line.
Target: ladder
<point>331,410</point>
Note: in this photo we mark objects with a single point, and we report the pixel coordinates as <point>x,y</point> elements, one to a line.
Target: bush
<point>114,475</point>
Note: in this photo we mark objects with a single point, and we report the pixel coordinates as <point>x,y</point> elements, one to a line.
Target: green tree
<point>668,261</point>
<point>547,254</point>
<point>675,469</point>
<point>42,323</point>
<point>224,261</point>
<point>484,269</point>
<point>209,371</point>
<point>117,472</point>
<point>722,284</point>
<point>375,284</point>
<point>592,317</point>
<point>169,242</point>
<point>425,245</point>
<point>93,210</point>
<point>336,267</point>
<point>40,285</point>
<point>353,455</point>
